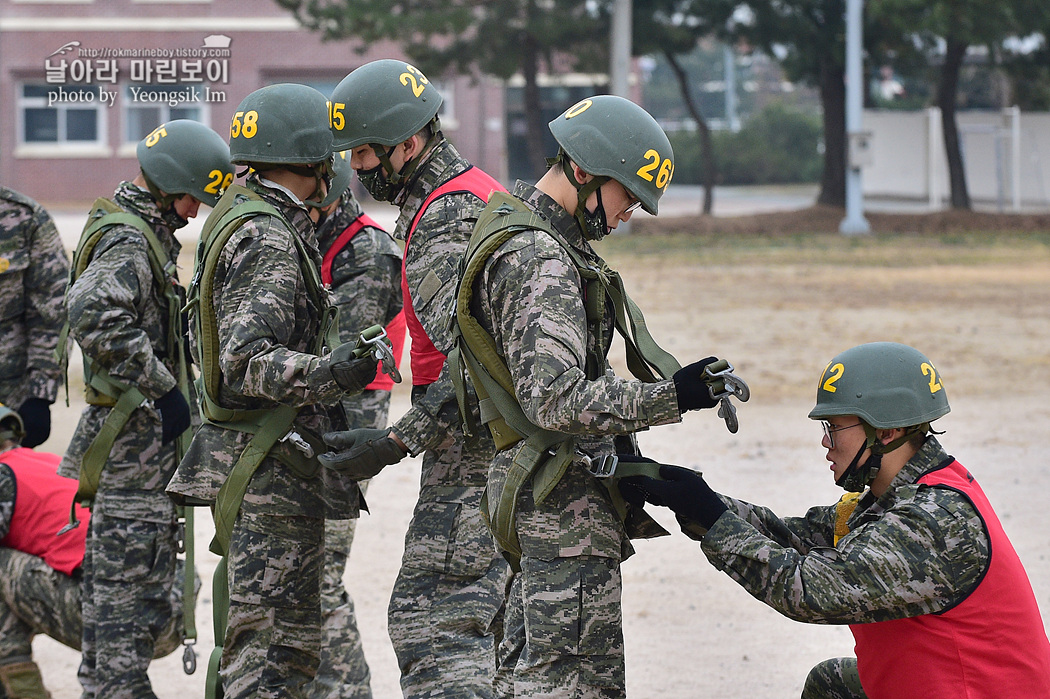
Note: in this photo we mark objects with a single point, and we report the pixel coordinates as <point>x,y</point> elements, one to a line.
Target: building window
<point>149,106</point>
<point>61,115</point>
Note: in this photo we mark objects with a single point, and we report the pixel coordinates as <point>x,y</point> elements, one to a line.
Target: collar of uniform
<point>929,457</point>
<point>138,201</point>
<point>563,221</point>
<point>440,165</point>
<point>287,203</point>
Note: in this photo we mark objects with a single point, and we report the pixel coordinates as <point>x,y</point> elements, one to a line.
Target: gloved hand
<point>352,367</point>
<point>685,492</point>
<point>361,453</point>
<point>174,415</point>
<point>36,416</point>
<point>692,389</point>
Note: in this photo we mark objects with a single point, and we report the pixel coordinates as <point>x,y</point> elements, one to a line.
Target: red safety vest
<point>42,500</point>
<point>395,330</point>
<point>426,360</point>
<point>992,645</point>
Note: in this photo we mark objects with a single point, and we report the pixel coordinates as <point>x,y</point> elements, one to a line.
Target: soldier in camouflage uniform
<point>362,263</point>
<point>121,315</point>
<point>33,273</point>
<point>270,331</point>
<point>563,632</point>
<point>448,596</point>
<point>40,572</point>
<point>913,557</point>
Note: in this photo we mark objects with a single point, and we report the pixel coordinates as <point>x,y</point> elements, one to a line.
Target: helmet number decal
<point>578,108</point>
<point>336,119</point>
<point>414,76</point>
<point>246,128</point>
<point>834,373</point>
<point>155,135</point>
<point>218,182</point>
<point>663,175</point>
<point>935,383</point>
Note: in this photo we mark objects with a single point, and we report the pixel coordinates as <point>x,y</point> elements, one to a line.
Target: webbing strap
<point>220,592</point>
<point>228,501</point>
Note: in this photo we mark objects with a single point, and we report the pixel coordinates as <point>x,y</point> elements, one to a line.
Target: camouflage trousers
<point>128,579</point>
<point>344,673</point>
<point>836,678</point>
<point>446,607</point>
<point>273,636</point>
<point>563,631</point>
<point>37,599</point>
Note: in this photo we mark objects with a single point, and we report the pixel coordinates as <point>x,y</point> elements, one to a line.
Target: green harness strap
<point>267,426</point>
<point>124,399</point>
<point>545,455</point>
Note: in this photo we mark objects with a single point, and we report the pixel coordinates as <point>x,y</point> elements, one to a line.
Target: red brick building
<point>82,81</point>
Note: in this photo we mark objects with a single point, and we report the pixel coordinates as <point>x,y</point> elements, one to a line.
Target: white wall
<point>907,157</point>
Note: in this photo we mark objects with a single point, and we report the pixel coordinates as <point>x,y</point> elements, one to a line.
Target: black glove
<point>685,492</point>
<point>36,416</point>
<point>174,415</point>
<point>692,389</point>
<point>629,488</point>
<point>352,367</point>
<point>361,453</point>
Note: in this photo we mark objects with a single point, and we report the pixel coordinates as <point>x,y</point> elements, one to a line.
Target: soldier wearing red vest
<point>40,586</point>
<point>449,592</point>
<point>913,557</point>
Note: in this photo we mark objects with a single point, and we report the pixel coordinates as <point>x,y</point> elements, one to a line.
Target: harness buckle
<point>382,352</point>
<point>299,443</point>
<point>601,466</point>
<point>723,383</point>
<point>189,657</point>
<point>180,537</point>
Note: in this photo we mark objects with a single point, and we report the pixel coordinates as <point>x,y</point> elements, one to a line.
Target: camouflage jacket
<point>366,274</point>
<point>915,550</point>
<point>33,273</point>
<point>267,327</point>
<point>432,260</point>
<point>8,490</point>
<point>529,297</point>
<point>119,317</point>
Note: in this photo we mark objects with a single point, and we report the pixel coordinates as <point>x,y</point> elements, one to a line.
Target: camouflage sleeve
<point>816,528</point>
<point>918,557</point>
<point>432,261</point>
<point>367,288</point>
<point>7,499</point>
<point>104,316</point>
<point>46,304</point>
<point>541,326</point>
<point>432,417</point>
<point>262,294</point>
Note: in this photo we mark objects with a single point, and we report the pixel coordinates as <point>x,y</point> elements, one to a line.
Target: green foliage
<point>776,146</point>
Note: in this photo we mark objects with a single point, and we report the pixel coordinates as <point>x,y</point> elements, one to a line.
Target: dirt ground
<point>778,304</point>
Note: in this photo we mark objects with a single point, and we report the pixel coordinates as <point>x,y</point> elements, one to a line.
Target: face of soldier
<point>618,203</point>
<point>186,206</point>
<point>843,438</point>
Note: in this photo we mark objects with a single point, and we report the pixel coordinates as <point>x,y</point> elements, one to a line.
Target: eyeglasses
<point>633,206</point>
<point>829,431</point>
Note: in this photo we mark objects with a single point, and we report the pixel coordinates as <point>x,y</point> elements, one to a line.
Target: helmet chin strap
<point>597,220</point>
<point>858,476</point>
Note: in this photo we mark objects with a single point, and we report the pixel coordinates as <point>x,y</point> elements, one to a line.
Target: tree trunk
<point>833,102</point>
<point>534,123</point>
<point>947,89</point>
<point>707,155</point>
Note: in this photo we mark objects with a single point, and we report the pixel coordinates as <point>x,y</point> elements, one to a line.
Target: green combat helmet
<point>341,176</point>
<point>886,385</point>
<point>11,426</point>
<point>185,157</point>
<point>284,125</point>
<point>384,103</point>
<point>613,138</point>
<point>281,124</point>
